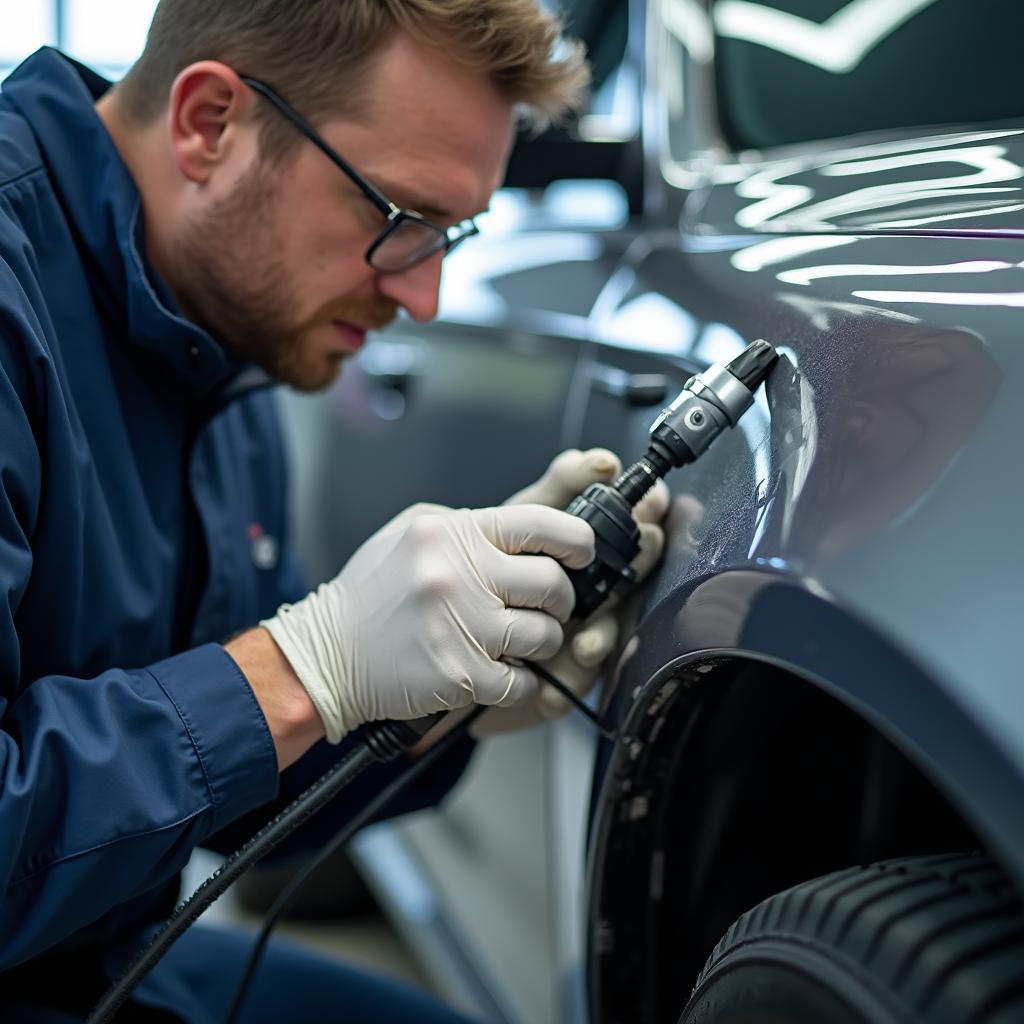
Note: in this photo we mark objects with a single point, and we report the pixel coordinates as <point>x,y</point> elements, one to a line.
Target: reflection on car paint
<point>838,44</point>
<point>805,275</point>
<point>810,193</point>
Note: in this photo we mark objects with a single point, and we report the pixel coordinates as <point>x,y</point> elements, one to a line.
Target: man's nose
<point>416,289</point>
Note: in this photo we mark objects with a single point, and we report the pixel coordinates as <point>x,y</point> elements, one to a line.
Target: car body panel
<point>916,403</point>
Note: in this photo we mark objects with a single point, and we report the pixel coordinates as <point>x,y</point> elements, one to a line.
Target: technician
<point>169,247</point>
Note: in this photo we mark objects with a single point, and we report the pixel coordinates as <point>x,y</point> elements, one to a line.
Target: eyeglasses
<point>408,237</point>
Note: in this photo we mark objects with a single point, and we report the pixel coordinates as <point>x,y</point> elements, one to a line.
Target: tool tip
<point>751,366</point>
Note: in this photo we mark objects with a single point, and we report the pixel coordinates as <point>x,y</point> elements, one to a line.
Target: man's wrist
<point>294,722</point>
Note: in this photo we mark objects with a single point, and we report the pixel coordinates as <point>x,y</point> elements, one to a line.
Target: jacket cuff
<point>223,720</point>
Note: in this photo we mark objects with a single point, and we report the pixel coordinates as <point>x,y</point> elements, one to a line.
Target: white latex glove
<point>588,644</point>
<point>426,614</point>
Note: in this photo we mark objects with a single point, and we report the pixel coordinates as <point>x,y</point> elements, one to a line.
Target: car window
<point>795,70</point>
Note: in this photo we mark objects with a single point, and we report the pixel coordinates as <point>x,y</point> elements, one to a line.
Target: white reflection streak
<point>989,162</point>
<point>878,149</point>
<point>1014,299</point>
<point>806,275</point>
<point>775,198</point>
<point>837,45</point>
<point>780,198</point>
<point>691,25</point>
<point>779,250</point>
<point>914,222</point>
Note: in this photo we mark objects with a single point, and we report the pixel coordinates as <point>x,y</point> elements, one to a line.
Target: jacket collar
<point>55,94</point>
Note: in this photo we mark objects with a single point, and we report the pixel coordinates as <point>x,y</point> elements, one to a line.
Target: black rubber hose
<point>382,741</point>
<point>366,815</point>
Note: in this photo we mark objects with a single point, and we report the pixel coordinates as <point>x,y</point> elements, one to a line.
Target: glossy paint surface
<point>878,471</point>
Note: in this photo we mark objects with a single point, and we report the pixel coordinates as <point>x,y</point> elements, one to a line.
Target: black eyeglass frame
<point>395,214</point>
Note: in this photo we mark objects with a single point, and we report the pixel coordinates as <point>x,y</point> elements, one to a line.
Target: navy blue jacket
<point>142,519</point>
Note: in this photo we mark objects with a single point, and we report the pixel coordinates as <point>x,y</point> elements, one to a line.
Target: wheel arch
<point>796,740</point>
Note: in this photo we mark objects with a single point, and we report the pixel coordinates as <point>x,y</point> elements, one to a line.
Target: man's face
<point>274,265</point>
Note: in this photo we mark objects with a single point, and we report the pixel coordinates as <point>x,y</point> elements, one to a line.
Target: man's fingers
<point>530,634</point>
<point>686,515</point>
<point>652,543</point>
<point>533,581</point>
<point>595,641</point>
<point>538,530</point>
<point>512,685</point>
<point>577,678</point>
<point>569,473</point>
<point>654,504</point>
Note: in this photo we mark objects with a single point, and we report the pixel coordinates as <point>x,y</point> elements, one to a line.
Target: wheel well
<point>748,780</point>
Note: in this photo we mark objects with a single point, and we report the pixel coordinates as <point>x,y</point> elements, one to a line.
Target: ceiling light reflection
<point>779,250</point>
<point>805,275</point>
<point>916,222</point>
<point>838,44</point>
<point>1011,299</point>
<point>988,159</point>
<point>690,23</point>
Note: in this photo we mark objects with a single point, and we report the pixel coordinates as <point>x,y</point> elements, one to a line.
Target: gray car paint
<point>887,485</point>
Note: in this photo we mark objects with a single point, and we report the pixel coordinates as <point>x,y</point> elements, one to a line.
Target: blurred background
<point>106,34</point>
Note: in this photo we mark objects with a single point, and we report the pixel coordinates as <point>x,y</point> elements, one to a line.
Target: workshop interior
<point>775,263</point>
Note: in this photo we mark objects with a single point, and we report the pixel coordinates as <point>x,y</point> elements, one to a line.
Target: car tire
<point>921,940</point>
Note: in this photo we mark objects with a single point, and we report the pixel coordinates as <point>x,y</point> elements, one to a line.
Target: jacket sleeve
<point>106,784</point>
<point>426,791</point>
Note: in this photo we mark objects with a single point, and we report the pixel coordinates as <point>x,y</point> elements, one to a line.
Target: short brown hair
<point>315,52</point>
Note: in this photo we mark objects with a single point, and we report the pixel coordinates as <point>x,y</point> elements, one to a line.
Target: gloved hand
<point>587,644</point>
<point>424,614</point>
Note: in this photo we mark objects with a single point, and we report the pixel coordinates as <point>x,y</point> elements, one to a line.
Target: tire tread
<point>943,934</point>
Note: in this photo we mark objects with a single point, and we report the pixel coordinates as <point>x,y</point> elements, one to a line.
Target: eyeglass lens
<point>406,244</point>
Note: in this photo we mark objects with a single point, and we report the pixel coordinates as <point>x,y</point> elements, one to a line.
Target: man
<point>166,247</point>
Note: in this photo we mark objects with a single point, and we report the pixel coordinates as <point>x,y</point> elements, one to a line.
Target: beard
<point>232,282</point>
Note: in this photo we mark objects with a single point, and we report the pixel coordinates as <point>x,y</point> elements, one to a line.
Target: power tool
<point>709,403</point>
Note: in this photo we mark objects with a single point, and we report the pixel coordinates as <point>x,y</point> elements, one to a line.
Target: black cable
<point>287,895</point>
<point>367,814</point>
<point>575,700</point>
<point>382,741</point>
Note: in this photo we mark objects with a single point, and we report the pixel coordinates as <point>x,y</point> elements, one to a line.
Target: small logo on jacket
<point>265,549</point>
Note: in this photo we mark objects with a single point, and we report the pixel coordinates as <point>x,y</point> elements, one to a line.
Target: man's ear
<point>208,104</point>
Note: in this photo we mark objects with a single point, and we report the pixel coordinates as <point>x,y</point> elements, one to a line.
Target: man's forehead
<point>438,173</point>
<point>435,199</point>
<point>433,132</point>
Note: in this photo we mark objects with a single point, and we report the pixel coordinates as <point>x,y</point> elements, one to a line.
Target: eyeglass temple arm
<point>384,205</point>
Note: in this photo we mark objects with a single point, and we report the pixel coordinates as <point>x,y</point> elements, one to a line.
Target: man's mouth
<point>352,335</point>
